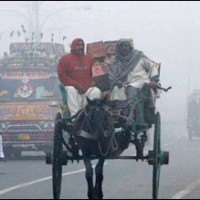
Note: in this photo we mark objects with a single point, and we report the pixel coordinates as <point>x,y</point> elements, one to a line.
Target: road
<point>30,177</point>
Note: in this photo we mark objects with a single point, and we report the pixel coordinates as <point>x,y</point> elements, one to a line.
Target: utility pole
<point>37,21</point>
<point>38,26</point>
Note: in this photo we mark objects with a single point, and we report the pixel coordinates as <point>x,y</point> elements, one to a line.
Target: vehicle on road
<point>29,97</point>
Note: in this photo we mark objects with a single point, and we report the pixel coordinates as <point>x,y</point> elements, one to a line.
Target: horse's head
<point>93,120</point>
<point>97,112</point>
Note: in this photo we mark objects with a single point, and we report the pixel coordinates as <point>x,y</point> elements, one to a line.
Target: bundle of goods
<point>102,53</point>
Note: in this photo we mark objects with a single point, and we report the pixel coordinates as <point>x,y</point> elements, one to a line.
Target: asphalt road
<point>30,177</point>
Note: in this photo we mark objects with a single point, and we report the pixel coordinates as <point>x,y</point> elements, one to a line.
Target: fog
<point>168,32</point>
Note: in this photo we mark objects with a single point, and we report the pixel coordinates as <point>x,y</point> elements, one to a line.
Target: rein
<point>83,133</point>
<point>112,143</point>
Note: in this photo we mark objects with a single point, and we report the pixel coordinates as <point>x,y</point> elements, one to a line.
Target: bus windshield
<point>29,88</point>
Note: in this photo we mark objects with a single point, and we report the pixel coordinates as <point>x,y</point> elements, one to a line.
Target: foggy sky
<point>168,32</point>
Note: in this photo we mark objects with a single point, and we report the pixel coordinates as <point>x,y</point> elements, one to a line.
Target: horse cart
<point>100,126</point>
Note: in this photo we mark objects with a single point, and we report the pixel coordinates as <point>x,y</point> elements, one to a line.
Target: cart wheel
<point>156,156</point>
<point>57,158</point>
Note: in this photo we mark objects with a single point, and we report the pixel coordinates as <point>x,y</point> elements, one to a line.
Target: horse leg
<point>99,178</point>
<point>89,177</point>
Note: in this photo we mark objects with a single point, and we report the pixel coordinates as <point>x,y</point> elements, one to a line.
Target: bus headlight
<point>46,124</point>
<point>52,124</point>
<point>3,125</point>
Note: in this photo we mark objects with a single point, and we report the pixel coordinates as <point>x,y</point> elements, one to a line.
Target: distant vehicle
<point>29,98</point>
<point>193,116</point>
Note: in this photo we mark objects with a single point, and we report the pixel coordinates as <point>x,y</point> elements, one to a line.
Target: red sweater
<point>75,70</point>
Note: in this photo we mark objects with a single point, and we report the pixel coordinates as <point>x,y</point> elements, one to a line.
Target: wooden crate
<point>102,82</point>
<point>110,47</point>
<point>100,76</point>
<point>99,69</point>
<point>96,49</point>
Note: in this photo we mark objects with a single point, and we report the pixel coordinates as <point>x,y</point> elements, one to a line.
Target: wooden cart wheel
<point>156,156</point>
<point>57,158</point>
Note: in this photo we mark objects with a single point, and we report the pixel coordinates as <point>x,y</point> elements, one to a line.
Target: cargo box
<point>110,47</point>
<point>102,82</point>
<point>99,69</point>
<point>96,49</point>
<point>100,76</point>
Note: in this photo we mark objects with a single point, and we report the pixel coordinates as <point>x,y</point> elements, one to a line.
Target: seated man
<point>129,71</point>
<point>75,72</point>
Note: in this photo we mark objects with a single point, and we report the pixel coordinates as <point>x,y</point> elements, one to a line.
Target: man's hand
<point>80,89</point>
<point>107,94</point>
<point>119,84</point>
<point>153,85</point>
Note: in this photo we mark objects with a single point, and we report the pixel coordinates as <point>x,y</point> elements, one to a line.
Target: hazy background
<point>168,32</point>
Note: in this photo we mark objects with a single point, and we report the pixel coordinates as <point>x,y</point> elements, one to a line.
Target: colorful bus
<point>29,96</point>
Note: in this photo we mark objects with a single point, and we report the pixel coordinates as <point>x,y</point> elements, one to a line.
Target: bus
<point>29,96</point>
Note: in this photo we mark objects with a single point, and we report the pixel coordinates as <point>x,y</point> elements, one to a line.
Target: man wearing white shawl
<point>129,71</point>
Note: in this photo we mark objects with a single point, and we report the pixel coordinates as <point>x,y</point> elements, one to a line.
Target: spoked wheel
<point>57,158</point>
<point>156,156</point>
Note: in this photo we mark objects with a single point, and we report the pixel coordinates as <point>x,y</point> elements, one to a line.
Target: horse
<point>95,136</point>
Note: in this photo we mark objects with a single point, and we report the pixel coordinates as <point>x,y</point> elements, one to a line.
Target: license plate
<point>24,136</point>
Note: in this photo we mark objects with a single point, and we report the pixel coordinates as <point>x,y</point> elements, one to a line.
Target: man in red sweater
<point>75,72</point>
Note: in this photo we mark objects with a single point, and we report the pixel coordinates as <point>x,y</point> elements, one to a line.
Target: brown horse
<point>96,137</point>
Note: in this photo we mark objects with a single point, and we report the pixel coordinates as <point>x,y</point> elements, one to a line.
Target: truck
<point>193,114</point>
<point>29,96</point>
